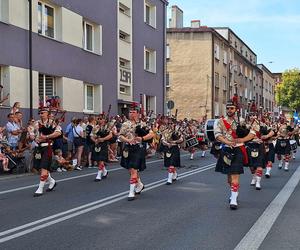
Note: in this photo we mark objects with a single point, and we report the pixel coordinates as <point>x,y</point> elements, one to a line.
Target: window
<point>225,57</point>
<point>4,10</point>
<point>124,9</point>
<point>46,20</point>
<point>217,51</point>
<point>224,83</point>
<point>124,63</point>
<point>88,36</point>
<point>168,80</point>
<point>168,51</point>
<point>150,60</point>
<point>216,94</point>
<point>122,89</point>
<point>47,88</point>
<point>217,80</point>
<point>224,96</point>
<point>124,36</point>
<point>89,98</point>
<point>92,39</point>
<point>150,14</point>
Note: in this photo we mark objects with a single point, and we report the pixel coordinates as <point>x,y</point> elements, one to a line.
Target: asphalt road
<point>193,213</point>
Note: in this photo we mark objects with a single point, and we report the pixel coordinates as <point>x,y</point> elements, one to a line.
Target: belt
<point>45,144</point>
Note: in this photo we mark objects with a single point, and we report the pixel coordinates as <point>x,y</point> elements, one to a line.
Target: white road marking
<point>258,232</point>
<point>87,208</point>
<point>73,178</point>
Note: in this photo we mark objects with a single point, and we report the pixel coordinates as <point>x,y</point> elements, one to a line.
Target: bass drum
<point>209,129</point>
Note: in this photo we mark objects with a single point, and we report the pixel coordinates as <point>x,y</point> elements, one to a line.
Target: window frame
<point>152,64</point>
<point>93,36</point>
<point>54,90</point>
<point>86,110</point>
<point>43,33</point>
<point>152,14</point>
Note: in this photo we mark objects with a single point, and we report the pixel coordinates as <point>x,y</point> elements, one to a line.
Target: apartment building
<point>90,53</point>
<point>269,85</point>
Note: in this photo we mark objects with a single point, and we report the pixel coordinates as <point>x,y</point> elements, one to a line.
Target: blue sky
<point>271,28</point>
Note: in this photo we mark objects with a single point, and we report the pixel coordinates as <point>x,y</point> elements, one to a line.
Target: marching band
<point>236,143</point>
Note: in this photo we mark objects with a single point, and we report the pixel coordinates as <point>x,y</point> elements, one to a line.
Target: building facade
<point>207,66</point>
<point>269,85</point>
<point>88,53</point>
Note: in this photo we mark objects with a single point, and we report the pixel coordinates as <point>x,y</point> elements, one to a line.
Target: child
<point>62,164</point>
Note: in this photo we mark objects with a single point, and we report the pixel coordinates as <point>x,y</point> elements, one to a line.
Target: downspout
<point>30,62</point>
<point>164,58</point>
<point>212,76</point>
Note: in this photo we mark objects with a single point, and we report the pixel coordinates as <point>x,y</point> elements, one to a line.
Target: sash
<point>234,136</point>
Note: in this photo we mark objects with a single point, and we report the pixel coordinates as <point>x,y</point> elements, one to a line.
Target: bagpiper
<point>268,134</point>
<point>101,136</point>
<point>47,130</point>
<point>255,149</point>
<point>171,139</point>
<point>283,147</point>
<point>233,156</point>
<point>134,134</point>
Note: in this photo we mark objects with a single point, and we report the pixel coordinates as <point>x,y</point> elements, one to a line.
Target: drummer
<point>190,132</point>
<point>293,132</point>
<point>201,139</point>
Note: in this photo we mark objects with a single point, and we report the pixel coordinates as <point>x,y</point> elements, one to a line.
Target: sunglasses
<point>230,108</point>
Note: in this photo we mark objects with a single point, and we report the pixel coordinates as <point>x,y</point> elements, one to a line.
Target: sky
<point>271,28</point>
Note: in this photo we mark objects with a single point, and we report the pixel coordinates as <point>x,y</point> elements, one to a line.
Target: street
<point>192,213</point>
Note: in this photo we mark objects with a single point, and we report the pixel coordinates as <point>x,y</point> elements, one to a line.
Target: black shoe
<point>97,180</point>
<point>130,198</point>
<point>51,189</point>
<point>105,176</point>
<point>233,207</point>
<point>267,176</point>
<point>258,188</point>
<point>37,195</point>
<point>168,183</point>
<point>140,191</point>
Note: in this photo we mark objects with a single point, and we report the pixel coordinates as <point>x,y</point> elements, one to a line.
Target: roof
<point>230,30</point>
<point>201,29</point>
<point>262,66</point>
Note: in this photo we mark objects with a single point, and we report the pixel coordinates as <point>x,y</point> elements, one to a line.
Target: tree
<point>288,91</point>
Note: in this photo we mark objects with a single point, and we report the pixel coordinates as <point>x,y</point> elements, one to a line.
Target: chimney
<point>176,20</point>
<point>195,24</point>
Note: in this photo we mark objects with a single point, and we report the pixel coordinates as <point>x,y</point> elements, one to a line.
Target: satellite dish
<point>170,104</point>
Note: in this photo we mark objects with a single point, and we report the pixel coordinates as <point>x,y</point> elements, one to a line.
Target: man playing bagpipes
<point>232,134</point>
<point>135,136</point>
<point>171,139</point>
<point>255,148</point>
<point>47,131</point>
<point>283,146</point>
<point>268,133</point>
<point>101,136</point>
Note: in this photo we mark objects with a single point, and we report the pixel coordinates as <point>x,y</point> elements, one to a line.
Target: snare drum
<point>209,129</point>
<point>293,144</point>
<point>191,142</point>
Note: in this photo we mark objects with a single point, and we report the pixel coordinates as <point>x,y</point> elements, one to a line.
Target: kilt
<point>270,155</point>
<point>283,150</point>
<point>172,157</point>
<point>134,156</point>
<point>42,158</point>
<point>256,155</point>
<point>100,152</point>
<point>236,166</point>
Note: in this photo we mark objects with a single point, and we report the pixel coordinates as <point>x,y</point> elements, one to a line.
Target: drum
<point>191,142</point>
<point>200,137</point>
<point>209,129</point>
<point>293,144</point>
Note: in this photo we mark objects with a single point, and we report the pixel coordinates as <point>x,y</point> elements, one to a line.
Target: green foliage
<point>288,91</point>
